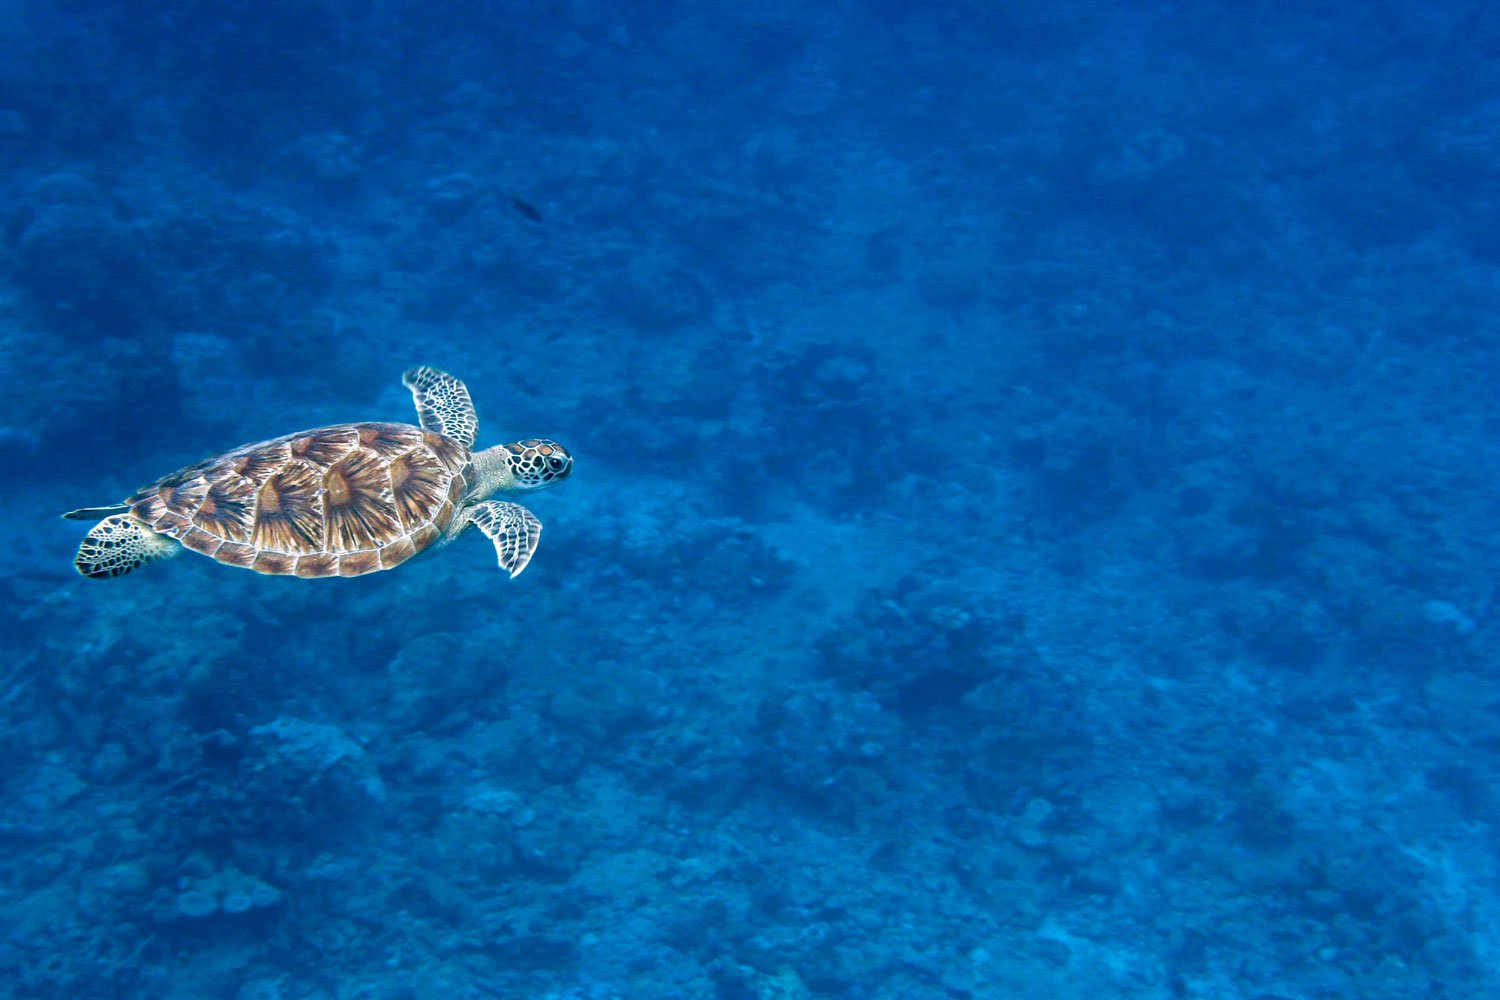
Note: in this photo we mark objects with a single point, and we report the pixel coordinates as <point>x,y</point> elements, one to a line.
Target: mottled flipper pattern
<point>119,544</point>
<point>443,404</point>
<point>514,530</point>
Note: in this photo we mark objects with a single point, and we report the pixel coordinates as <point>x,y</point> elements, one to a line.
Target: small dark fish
<point>526,208</point>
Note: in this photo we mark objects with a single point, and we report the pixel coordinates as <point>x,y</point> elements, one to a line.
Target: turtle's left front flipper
<point>514,530</point>
<point>95,513</point>
<point>443,404</point>
<point>120,544</point>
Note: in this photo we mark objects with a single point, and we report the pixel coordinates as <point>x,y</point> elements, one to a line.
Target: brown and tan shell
<point>335,501</point>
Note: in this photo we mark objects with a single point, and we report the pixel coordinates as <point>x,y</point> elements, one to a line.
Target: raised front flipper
<point>96,513</point>
<point>443,404</point>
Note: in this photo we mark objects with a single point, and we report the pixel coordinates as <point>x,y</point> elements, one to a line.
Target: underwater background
<point>1032,536</point>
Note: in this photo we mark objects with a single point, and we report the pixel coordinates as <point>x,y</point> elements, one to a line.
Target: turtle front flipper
<point>95,513</point>
<point>119,544</point>
<point>443,404</point>
<point>514,530</point>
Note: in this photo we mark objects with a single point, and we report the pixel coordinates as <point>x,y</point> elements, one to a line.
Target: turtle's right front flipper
<point>514,530</point>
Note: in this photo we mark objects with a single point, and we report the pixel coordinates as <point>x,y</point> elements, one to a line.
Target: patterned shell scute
<point>335,501</point>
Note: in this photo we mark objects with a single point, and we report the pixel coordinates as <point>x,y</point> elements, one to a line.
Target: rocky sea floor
<point>1031,536</point>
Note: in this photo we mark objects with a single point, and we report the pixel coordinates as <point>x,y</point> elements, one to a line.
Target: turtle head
<point>536,464</point>
<point>521,467</point>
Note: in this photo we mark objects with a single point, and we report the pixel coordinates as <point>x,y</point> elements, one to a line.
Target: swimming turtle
<point>336,501</point>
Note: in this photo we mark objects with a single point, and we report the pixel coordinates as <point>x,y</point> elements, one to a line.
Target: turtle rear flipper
<point>95,513</point>
<point>514,530</point>
<point>119,544</point>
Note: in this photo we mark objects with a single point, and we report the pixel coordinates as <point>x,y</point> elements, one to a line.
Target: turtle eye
<point>555,463</point>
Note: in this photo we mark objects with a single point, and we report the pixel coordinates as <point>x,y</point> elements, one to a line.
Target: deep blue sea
<point>1032,535</point>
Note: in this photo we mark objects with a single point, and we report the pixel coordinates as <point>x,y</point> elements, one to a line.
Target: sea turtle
<point>336,501</point>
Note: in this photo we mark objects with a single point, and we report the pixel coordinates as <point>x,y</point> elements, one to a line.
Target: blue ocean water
<point>1032,532</point>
